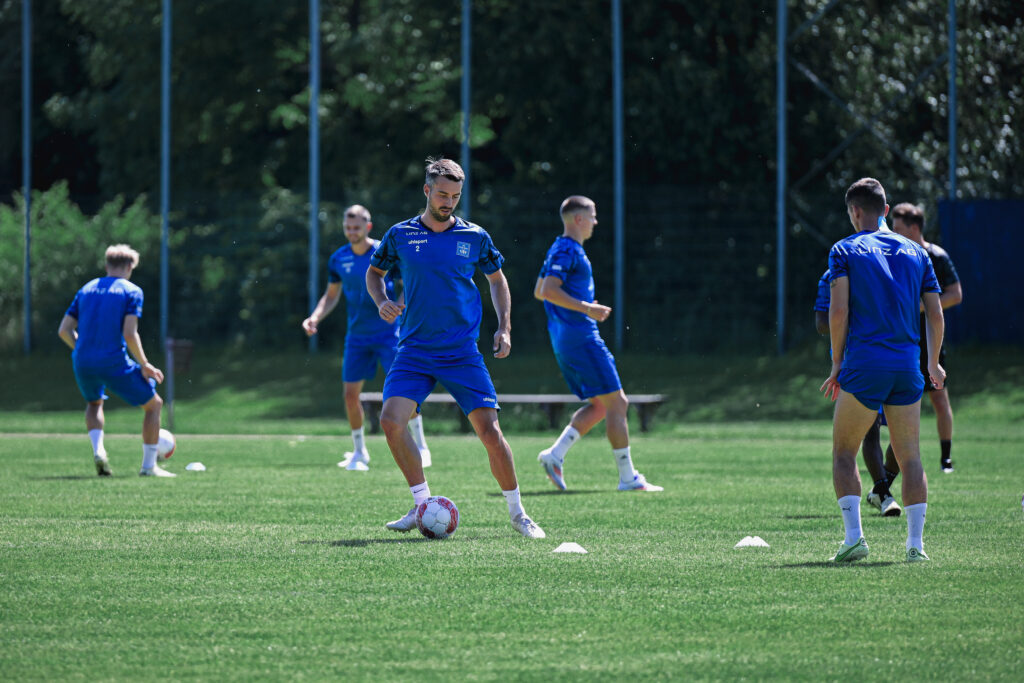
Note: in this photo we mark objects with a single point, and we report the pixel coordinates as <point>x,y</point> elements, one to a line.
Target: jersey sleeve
<point>824,297</point>
<point>490,260</point>
<point>73,308</point>
<point>945,272</point>
<point>134,305</point>
<point>386,256</point>
<point>333,276</point>
<point>559,263</point>
<point>837,266</point>
<point>929,283</point>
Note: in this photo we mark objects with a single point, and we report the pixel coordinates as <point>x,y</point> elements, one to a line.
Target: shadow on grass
<point>808,516</point>
<point>552,492</point>
<point>68,477</point>
<point>826,563</point>
<point>364,542</point>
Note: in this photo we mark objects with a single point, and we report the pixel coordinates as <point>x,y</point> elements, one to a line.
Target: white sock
<point>915,524</point>
<point>420,492</point>
<point>96,436</point>
<point>148,456</point>
<point>515,505</point>
<point>358,442</point>
<point>564,442</point>
<point>850,507</point>
<point>625,464</point>
<point>416,427</point>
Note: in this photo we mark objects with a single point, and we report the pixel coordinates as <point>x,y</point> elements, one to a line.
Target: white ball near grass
<point>165,445</point>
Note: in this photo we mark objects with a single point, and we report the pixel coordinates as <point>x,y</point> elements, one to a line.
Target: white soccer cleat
<point>406,523</point>
<point>357,462</point>
<point>916,555</point>
<point>552,468</point>
<point>156,471</point>
<point>886,505</point>
<point>102,465</point>
<point>527,527</point>
<point>639,483</point>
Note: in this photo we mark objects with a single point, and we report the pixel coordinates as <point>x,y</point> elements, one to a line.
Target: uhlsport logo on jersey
<point>462,249</point>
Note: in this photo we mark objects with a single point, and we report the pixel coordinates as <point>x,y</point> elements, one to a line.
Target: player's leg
<point>94,423</point>
<point>359,457</point>
<point>394,421</point>
<point>851,422</point>
<point>944,422</point>
<point>904,429</point>
<point>583,420</point>
<point>871,452</point>
<point>151,437</point>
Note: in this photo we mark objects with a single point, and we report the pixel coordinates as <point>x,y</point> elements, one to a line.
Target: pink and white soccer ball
<point>165,445</point>
<point>437,517</point>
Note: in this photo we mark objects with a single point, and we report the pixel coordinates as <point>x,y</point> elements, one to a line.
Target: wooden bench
<point>553,406</point>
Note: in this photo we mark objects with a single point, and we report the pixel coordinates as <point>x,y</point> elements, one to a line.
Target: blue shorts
<point>361,355</point>
<point>875,388</point>
<point>126,381</point>
<point>589,370</point>
<point>414,375</point>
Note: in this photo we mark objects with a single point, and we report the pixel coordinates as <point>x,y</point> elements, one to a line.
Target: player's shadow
<point>364,542</point>
<point>68,477</point>
<point>808,516</point>
<point>551,492</point>
<point>833,565</point>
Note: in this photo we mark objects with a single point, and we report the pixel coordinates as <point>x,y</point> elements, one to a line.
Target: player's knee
<point>392,425</point>
<point>154,404</point>
<point>351,395</point>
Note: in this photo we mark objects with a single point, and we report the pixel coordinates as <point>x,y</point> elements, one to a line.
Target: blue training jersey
<point>567,261</point>
<point>442,303</point>
<point>888,274</point>
<point>100,307</point>
<point>824,294</point>
<point>349,268</point>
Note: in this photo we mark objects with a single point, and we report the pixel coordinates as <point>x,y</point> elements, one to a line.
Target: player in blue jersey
<point>102,326</point>
<point>438,253</point>
<point>566,286</point>
<point>908,220</point>
<point>878,281</point>
<point>871,450</point>
<point>368,339</point>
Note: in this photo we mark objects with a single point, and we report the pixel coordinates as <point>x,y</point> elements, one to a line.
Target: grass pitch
<point>275,564</point>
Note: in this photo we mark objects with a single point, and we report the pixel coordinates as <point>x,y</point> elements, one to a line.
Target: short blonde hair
<point>121,255</point>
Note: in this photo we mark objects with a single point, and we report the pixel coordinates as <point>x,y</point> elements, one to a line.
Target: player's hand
<point>502,344</point>
<point>150,371</point>
<point>937,374</point>
<point>309,325</point>
<point>598,312</point>
<point>831,386</point>
<point>389,310</point>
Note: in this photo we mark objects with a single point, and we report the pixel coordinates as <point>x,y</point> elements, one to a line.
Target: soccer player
<point>878,280</point>
<point>908,220</point>
<point>871,450</point>
<point>566,286</point>
<point>438,253</point>
<point>101,323</point>
<point>368,339</point>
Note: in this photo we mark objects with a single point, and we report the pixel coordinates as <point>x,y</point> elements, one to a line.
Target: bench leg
<point>646,411</point>
<point>554,413</point>
<point>371,415</point>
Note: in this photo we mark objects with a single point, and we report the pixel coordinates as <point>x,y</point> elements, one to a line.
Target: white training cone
<point>195,467</point>
<point>570,548</point>
<point>752,542</point>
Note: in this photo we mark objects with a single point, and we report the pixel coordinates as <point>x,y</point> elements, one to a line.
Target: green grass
<point>275,563</point>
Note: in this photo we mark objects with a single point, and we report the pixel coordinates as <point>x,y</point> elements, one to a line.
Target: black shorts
<point>924,365</point>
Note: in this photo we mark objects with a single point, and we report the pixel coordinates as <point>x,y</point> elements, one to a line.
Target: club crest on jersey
<point>462,249</point>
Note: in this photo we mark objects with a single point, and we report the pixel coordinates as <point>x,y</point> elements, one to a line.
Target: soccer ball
<point>165,445</point>
<point>437,517</point>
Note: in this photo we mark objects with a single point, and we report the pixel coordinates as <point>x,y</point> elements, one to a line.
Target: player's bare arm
<point>389,310</point>
<point>130,330</point>
<point>839,328</point>
<point>550,289</point>
<point>68,331</point>
<point>935,327</point>
<point>951,296</point>
<point>502,300</point>
<point>323,308</point>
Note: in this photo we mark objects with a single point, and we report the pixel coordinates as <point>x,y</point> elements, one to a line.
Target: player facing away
<point>878,280</point>
<point>101,326</point>
<point>871,449</point>
<point>368,339</point>
<point>438,254</point>
<point>566,286</point>
<point>908,220</point>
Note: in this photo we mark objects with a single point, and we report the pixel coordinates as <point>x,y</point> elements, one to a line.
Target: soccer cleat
<point>639,483</point>
<point>553,468</point>
<point>851,553</point>
<point>947,466</point>
<point>156,471</point>
<point>356,461</point>
<point>885,504</point>
<point>102,465</point>
<point>917,555</point>
<point>527,527</point>
<point>406,523</point>
<point>425,460</point>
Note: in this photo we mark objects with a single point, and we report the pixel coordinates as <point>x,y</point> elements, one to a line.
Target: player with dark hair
<point>101,327</point>
<point>908,220</point>
<point>368,339</point>
<point>871,449</point>
<point>438,254</point>
<point>566,286</point>
<point>878,280</point>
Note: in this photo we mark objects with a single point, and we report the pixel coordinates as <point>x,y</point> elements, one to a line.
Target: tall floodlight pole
<point>952,100</point>
<point>467,26</point>
<point>314,155</point>
<point>780,175</point>
<point>620,192</point>
<point>165,168</point>
<point>26,160</point>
